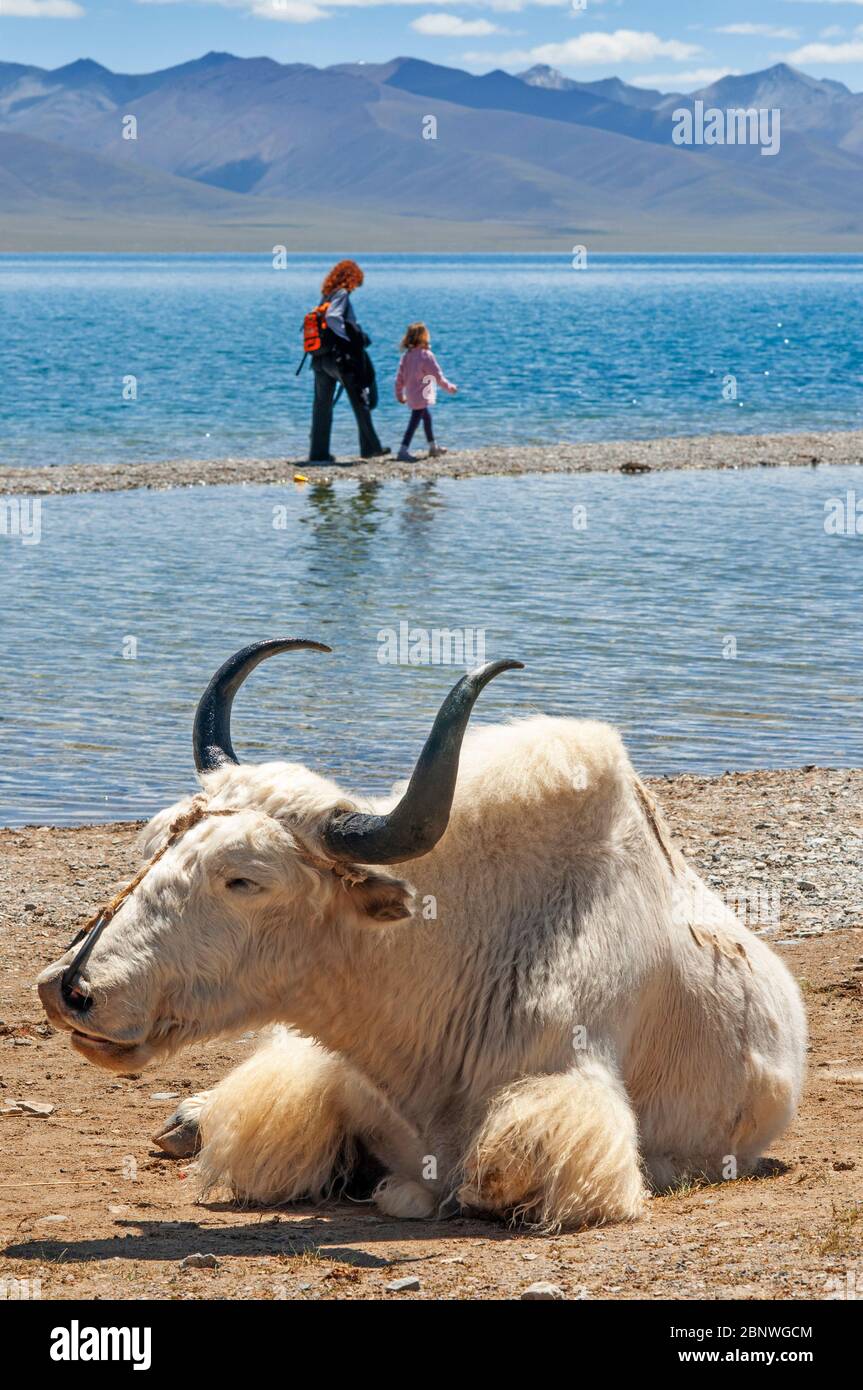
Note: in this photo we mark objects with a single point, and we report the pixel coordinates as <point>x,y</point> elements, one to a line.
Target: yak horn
<point>211,735</point>
<point>414,827</point>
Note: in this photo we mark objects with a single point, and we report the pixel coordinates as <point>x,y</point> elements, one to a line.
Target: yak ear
<point>378,898</point>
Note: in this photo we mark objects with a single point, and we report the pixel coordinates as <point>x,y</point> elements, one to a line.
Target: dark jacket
<point>351,343</point>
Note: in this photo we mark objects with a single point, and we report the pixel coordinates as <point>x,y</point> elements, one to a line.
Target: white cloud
<point>288,11</point>
<point>40,9</point>
<point>622,46</point>
<point>764,31</point>
<point>683,81</point>
<point>451,26</point>
<point>827,53</point>
<point>589,50</point>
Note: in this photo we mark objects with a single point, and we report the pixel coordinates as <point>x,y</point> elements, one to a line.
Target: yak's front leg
<point>557,1152</point>
<point>273,1130</point>
<point>292,1122</point>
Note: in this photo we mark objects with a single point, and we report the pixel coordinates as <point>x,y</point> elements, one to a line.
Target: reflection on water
<point>635,618</point>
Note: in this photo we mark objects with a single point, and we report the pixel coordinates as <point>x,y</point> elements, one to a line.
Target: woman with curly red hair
<point>342,359</point>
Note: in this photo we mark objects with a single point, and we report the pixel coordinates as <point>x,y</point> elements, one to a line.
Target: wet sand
<point>718,451</point>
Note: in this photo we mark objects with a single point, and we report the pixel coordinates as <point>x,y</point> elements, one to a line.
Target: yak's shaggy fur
<point>569,1019</point>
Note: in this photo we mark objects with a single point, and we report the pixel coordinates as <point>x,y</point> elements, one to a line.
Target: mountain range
<point>244,153</point>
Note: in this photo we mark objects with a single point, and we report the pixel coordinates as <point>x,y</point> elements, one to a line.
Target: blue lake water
<point>629,346</point>
<point>709,615</point>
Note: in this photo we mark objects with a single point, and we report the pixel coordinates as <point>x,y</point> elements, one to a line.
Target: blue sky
<point>671,44</point>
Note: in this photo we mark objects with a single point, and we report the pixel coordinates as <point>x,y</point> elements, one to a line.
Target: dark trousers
<point>327,375</point>
<point>416,416</point>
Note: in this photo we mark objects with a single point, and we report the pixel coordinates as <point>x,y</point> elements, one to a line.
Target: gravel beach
<point>90,1208</point>
<point>720,451</point>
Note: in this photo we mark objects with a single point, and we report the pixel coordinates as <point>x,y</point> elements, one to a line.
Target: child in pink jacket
<point>417,380</point>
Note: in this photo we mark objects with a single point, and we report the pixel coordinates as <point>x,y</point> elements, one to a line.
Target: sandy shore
<point>728,451</point>
<point>90,1208</point>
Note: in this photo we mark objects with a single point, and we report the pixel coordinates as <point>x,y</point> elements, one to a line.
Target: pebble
<point>165,1095</point>
<point>541,1290</point>
<point>403,1285</point>
<point>199,1262</point>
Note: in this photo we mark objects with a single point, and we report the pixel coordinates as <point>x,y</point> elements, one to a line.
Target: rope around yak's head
<point>198,810</point>
<point>178,827</point>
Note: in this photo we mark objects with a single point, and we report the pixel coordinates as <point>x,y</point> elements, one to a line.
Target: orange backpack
<point>315,329</point>
<point>317,337</point>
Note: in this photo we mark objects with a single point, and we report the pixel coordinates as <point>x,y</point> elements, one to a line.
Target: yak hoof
<point>405,1199</point>
<point>180,1136</point>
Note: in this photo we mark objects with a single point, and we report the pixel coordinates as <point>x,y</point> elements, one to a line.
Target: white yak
<point>537,1010</point>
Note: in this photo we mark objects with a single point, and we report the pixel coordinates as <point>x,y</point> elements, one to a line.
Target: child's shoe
<point>435,451</point>
<point>405,456</point>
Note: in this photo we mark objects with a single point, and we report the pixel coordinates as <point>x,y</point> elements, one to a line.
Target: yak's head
<point>252,884</point>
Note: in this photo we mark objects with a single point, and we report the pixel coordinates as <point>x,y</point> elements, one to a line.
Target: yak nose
<point>57,997</point>
<point>75,998</point>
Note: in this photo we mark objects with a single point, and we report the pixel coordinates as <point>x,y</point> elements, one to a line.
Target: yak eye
<point>241,885</point>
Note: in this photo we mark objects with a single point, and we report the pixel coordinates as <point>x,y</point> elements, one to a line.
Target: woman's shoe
<point>435,451</point>
<point>381,453</point>
<point>405,456</point>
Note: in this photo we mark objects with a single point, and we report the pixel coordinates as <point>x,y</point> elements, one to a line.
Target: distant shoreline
<point>692,453</point>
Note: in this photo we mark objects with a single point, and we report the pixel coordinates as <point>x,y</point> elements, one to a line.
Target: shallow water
<point>629,619</point>
<point>631,346</point>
